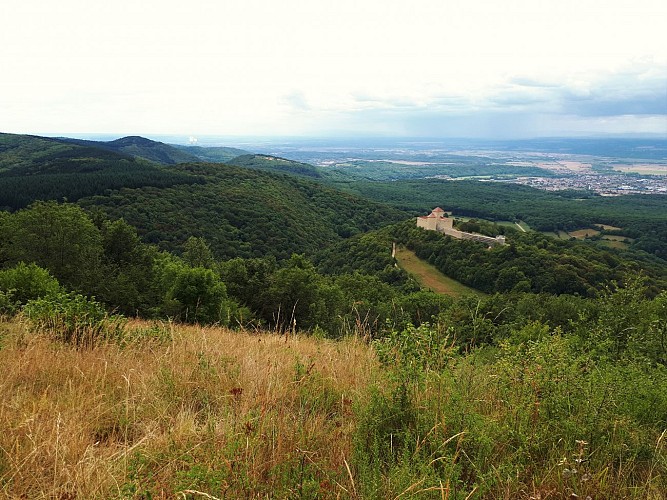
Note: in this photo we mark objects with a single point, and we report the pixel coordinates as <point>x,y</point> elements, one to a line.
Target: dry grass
<point>191,412</point>
<point>250,409</point>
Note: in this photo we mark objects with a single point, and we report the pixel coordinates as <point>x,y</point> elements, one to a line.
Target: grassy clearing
<point>607,227</point>
<point>580,234</point>
<point>614,243</point>
<point>429,277</point>
<point>620,242</point>
<point>560,235</point>
<point>521,226</point>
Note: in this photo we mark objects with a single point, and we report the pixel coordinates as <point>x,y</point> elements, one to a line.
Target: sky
<point>421,68</point>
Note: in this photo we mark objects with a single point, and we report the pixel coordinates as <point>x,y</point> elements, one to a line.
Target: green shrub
<point>7,304</point>
<point>416,350</point>
<point>23,283</point>
<point>73,318</point>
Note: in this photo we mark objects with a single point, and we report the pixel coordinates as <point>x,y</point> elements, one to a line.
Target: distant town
<point>608,168</point>
<point>605,184</point>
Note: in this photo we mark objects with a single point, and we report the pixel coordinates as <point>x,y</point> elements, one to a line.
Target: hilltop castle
<point>437,221</point>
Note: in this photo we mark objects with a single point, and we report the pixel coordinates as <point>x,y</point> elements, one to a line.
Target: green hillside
<point>37,168</point>
<point>275,164</point>
<point>141,147</point>
<point>212,154</point>
<point>240,211</point>
<point>27,154</point>
<point>244,213</point>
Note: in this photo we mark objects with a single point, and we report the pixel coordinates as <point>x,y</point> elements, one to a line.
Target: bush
<point>23,283</point>
<point>73,318</point>
<point>197,295</point>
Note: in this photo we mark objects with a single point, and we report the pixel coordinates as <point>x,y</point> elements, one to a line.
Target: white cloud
<point>291,67</point>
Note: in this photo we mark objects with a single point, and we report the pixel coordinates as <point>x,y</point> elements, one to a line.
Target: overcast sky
<point>451,68</point>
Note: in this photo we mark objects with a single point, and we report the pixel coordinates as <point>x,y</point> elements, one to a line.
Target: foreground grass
<point>191,412</point>
<point>429,277</point>
<point>199,409</point>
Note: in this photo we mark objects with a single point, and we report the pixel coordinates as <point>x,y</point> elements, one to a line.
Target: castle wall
<point>436,222</point>
<point>429,223</point>
<point>489,240</point>
<point>444,223</point>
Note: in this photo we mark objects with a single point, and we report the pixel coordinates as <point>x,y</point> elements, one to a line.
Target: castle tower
<point>435,221</point>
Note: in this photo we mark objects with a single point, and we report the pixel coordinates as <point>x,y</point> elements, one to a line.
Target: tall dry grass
<point>191,412</point>
<point>197,410</point>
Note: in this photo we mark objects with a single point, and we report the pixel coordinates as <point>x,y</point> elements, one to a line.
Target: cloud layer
<point>255,67</point>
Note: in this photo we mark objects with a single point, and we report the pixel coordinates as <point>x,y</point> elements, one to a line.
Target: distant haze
<point>433,68</point>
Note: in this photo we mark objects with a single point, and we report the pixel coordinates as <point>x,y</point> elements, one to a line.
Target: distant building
<point>438,221</point>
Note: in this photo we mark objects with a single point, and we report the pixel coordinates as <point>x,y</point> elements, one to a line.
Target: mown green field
<point>429,277</point>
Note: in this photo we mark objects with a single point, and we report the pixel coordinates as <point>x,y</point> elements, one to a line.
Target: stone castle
<point>437,221</point>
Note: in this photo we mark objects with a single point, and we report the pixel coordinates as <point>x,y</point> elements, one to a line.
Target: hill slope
<point>141,147</point>
<point>242,212</point>
<point>212,154</point>
<point>38,168</point>
<point>276,164</point>
<point>28,154</point>
<point>245,213</point>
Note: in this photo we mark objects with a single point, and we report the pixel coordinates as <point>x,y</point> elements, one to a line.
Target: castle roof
<point>437,210</point>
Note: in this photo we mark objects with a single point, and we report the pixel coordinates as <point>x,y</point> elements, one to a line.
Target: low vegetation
<point>178,409</point>
<point>161,410</point>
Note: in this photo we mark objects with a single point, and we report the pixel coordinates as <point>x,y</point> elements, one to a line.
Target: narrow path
<point>520,226</point>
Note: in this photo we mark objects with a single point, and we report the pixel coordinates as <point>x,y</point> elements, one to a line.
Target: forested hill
<point>276,164</point>
<point>244,213</point>
<point>141,147</point>
<point>217,154</point>
<point>38,168</point>
<point>28,154</point>
<point>241,212</point>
